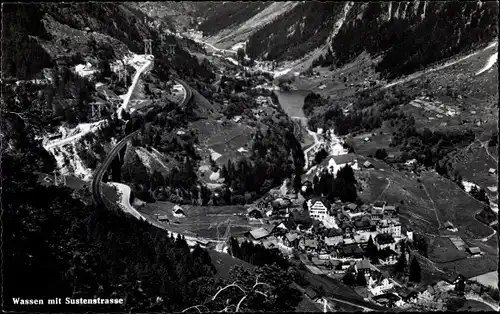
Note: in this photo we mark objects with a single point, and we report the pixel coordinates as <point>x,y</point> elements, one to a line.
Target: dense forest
<point>443,30</point>
<point>340,186</point>
<point>61,246</point>
<point>233,13</point>
<point>296,32</point>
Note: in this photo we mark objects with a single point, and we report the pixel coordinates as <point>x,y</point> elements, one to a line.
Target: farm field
<point>377,141</point>
<point>198,219</point>
<point>453,204</point>
<point>442,250</point>
<point>474,306</point>
<point>473,164</point>
<point>471,267</point>
<point>488,279</point>
<point>397,187</point>
<point>228,141</point>
<point>425,205</point>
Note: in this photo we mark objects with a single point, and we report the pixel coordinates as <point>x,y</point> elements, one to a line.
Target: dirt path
<point>433,204</point>
<point>385,189</point>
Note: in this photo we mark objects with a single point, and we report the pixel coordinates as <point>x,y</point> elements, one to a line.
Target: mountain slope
<point>296,32</point>
<point>409,35</point>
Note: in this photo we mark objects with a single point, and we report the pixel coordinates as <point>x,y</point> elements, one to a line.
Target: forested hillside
<point>295,33</point>
<point>56,243</point>
<point>415,34</point>
<point>218,15</point>
<point>409,35</point>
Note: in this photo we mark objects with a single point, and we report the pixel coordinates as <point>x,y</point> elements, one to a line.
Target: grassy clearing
<point>488,279</point>
<point>471,267</point>
<point>442,250</point>
<point>473,164</point>
<point>417,205</point>
<point>397,187</point>
<point>199,218</point>
<point>226,140</point>
<point>330,285</point>
<point>455,205</point>
<point>223,263</point>
<point>377,141</point>
<point>355,73</point>
<point>474,306</point>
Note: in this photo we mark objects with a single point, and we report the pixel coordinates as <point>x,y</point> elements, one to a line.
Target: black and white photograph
<point>232,156</point>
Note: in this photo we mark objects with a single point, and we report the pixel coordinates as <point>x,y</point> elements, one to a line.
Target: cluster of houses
<point>338,231</point>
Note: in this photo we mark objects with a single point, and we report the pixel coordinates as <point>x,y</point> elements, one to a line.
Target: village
<point>337,240</point>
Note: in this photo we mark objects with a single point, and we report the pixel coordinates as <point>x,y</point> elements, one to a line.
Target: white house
<point>318,208</point>
<point>409,235</point>
<point>178,212</point>
<point>337,162</point>
<point>390,226</point>
<point>379,284</point>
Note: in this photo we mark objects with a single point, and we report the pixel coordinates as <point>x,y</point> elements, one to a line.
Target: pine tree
<point>401,263</point>
<point>415,274</point>
<point>360,279</point>
<point>372,251</point>
<point>349,278</point>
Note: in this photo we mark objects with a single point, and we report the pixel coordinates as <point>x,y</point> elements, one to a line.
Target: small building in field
<point>449,226</point>
<point>492,171</point>
<point>163,218</point>
<point>312,294</point>
<point>178,212</point>
<point>367,164</point>
<point>474,251</point>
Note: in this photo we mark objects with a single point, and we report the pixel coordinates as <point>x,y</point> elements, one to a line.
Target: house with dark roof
<point>351,207</point>
<point>388,256</point>
<point>310,245</point>
<point>387,299</point>
<point>379,205</point>
<point>390,210</point>
<point>363,266</point>
<point>347,227</point>
<point>362,225</point>
<point>333,237</point>
<point>291,240</point>
<point>259,234</point>
<point>351,250</point>
<point>163,218</point>
<point>311,294</point>
<point>411,296</point>
<point>384,240</point>
<point>474,251</point>
<point>254,213</point>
